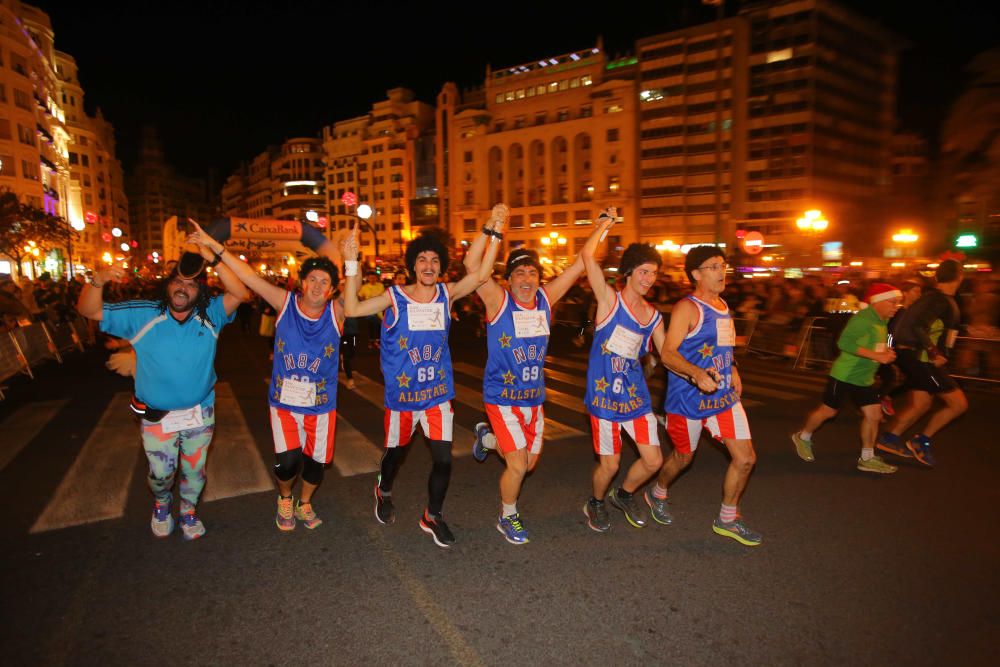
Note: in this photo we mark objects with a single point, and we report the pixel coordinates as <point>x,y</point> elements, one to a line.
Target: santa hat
<point>882,292</point>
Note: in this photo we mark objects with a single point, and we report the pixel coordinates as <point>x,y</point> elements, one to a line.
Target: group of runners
<point>175,340</point>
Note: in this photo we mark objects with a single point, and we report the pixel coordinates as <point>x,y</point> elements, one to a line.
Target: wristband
<point>94,283</point>
<point>350,267</point>
<point>218,258</point>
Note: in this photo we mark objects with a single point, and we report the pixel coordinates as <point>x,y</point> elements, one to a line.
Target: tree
<point>21,223</point>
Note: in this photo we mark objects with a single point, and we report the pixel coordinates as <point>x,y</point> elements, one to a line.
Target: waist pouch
<point>149,414</point>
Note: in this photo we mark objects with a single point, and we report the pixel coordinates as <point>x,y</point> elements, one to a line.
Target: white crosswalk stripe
<point>21,427</point>
<point>234,466</point>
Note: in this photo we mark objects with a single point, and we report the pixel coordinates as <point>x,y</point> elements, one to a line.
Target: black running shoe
<point>384,511</point>
<point>438,529</point>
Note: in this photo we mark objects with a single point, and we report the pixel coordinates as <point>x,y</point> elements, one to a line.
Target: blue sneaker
<point>479,449</point>
<point>920,446</point>
<point>191,526</point>
<point>162,522</point>
<point>890,442</point>
<point>512,528</point>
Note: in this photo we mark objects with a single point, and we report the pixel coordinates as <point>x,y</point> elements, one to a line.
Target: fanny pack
<point>149,414</point>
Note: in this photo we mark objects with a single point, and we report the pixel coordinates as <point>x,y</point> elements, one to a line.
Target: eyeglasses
<point>714,267</point>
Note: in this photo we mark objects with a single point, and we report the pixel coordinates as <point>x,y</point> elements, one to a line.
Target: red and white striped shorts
<point>729,425</point>
<point>313,433</point>
<point>436,422</point>
<point>517,427</point>
<point>607,434</point>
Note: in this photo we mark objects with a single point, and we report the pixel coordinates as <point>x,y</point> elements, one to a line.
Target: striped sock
<point>867,453</point>
<point>728,513</point>
<point>659,492</point>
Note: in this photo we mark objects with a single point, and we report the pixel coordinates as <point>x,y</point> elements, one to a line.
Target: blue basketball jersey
<point>517,337</point>
<point>306,360</point>
<point>416,361</point>
<point>616,385</point>
<point>709,345</point>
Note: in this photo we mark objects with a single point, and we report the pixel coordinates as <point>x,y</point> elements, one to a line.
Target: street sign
<point>349,199</point>
<point>753,243</point>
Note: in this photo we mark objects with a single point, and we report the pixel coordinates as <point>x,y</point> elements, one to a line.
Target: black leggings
<point>437,483</point>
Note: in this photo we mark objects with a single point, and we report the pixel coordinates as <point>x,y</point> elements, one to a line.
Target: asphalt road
<point>855,569</point>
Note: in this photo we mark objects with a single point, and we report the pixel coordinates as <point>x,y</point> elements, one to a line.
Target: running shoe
<point>384,511</point>
<point>191,526</point>
<point>162,522</point>
<point>597,515</point>
<point>738,531</point>
<point>285,518</point>
<point>306,516</point>
<point>804,448</point>
<point>887,408</point>
<point>512,528</point>
<point>890,443</point>
<point>658,508</point>
<point>435,526</point>
<point>631,509</point>
<point>479,449</point>
<point>920,446</point>
<point>877,465</point>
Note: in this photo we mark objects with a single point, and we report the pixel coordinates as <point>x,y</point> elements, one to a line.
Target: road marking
<point>21,427</point>
<point>354,453</point>
<point>234,466</point>
<point>436,617</point>
<point>96,486</point>
<point>374,392</point>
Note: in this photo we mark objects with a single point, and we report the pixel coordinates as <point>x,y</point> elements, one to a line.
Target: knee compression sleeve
<point>312,471</point>
<point>288,464</point>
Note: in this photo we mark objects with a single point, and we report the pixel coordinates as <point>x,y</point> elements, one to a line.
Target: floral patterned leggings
<point>163,451</point>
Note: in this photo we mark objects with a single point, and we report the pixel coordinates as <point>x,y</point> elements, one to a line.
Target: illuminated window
<point>574,82</point>
<point>508,96</point>
<point>564,84</point>
<point>540,90</point>
<point>586,80</point>
<point>554,87</point>
<point>499,98</point>
<point>520,93</point>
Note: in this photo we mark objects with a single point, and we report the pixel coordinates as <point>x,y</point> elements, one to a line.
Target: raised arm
<point>602,293</point>
<point>91,302</point>
<point>489,291</point>
<point>558,286</point>
<point>472,280</point>
<point>235,291</point>
<point>352,281</point>
<point>273,294</point>
<point>683,317</point>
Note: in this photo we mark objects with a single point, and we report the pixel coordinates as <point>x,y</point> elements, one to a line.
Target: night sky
<point>223,79</point>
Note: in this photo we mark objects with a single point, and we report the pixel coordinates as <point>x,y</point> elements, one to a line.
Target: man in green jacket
<point>863,347</point>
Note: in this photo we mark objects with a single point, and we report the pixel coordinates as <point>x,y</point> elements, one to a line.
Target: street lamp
<point>812,221</point>
<point>364,212</point>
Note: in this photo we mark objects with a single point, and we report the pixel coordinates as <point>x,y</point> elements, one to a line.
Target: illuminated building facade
<point>33,135</point>
<point>807,115</point>
<point>385,158</point>
<point>555,139</point>
<point>96,202</point>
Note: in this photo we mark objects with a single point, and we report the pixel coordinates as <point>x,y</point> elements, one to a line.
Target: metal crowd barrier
<point>24,348</point>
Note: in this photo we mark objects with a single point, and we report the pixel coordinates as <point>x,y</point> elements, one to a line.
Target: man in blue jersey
<point>174,340</point>
<point>517,326</point>
<point>416,365</point>
<point>303,390</point>
<point>704,392</point>
<point>627,328</point>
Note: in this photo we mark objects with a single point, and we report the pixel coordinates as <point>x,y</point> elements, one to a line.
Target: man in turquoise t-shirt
<point>863,347</point>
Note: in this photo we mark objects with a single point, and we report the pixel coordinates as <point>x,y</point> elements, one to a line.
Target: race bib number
<point>528,324</point>
<point>182,420</point>
<point>725,332</point>
<point>425,316</point>
<point>950,337</point>
<point>300,393</point>
<point>625,343</point>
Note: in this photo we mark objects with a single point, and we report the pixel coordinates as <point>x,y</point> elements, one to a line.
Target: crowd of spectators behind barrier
<point>779,301</point>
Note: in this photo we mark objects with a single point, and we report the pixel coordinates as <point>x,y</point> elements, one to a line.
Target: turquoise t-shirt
<point>175,361</point>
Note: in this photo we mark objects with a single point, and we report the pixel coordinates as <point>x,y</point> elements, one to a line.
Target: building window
<point>7,165</point>
<point>469,225</point>
<point>467,156</point>
<point>22,99</point>
<point>612,135</point>
<point>586,111</point>
<point>562,115</point>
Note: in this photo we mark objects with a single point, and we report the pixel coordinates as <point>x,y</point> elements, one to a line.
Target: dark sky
<point>223,79</point>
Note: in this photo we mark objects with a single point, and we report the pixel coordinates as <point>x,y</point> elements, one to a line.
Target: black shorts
<point>836,390</point>
<point>923,375</point>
